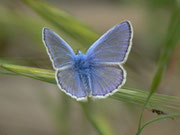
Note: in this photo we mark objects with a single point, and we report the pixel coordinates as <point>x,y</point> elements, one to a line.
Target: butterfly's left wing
<point>62,57</point>
<point>70,82</point>
<point>113,46</point>
<point>60,53</point>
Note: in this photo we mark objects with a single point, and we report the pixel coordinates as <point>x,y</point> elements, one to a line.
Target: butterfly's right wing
<point>60,53</point>
<point>114,46</point>
<point>106,55</point>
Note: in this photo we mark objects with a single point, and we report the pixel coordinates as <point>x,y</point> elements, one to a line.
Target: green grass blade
<point>158,101</point>
<point>36,73</point>
<point>63,21</point>
<point>173,36</point>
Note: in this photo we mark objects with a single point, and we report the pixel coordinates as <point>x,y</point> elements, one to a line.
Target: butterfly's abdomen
<point>82,67</point>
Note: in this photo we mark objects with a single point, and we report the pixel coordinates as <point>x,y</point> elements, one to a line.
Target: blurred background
<point>29,106</point>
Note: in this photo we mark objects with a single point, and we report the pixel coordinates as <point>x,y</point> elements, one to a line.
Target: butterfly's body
<point>83,68</point>
<point>99,72</point>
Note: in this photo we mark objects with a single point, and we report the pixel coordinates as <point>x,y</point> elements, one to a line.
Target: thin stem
<point>157,119</point>
<point>90,118</point>
<point>141,115</point>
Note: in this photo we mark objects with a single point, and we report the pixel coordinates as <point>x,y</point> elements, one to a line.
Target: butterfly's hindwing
<point>72,83</point>
<point>106,79</point>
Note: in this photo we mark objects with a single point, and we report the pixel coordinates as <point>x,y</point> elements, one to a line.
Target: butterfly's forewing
<point>113,46</point>
<point>106,79</point>
<point>60,53</point>
<point>71,83</point>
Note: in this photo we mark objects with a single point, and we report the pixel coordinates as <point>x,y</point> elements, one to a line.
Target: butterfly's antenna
<point>85,49</point>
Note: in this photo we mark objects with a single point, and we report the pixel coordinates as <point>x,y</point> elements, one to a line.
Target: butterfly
<point>99,72</point>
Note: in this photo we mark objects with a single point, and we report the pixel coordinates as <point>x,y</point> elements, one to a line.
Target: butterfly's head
<point>78,52</point>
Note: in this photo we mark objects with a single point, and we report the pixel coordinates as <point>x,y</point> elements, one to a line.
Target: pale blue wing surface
<point>60,53</point>
<point>106,79</point>
<point>71,83</point>
<point>114,45</point>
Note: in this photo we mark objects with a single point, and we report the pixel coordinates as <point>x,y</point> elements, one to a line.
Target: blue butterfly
<point>99,72</point>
